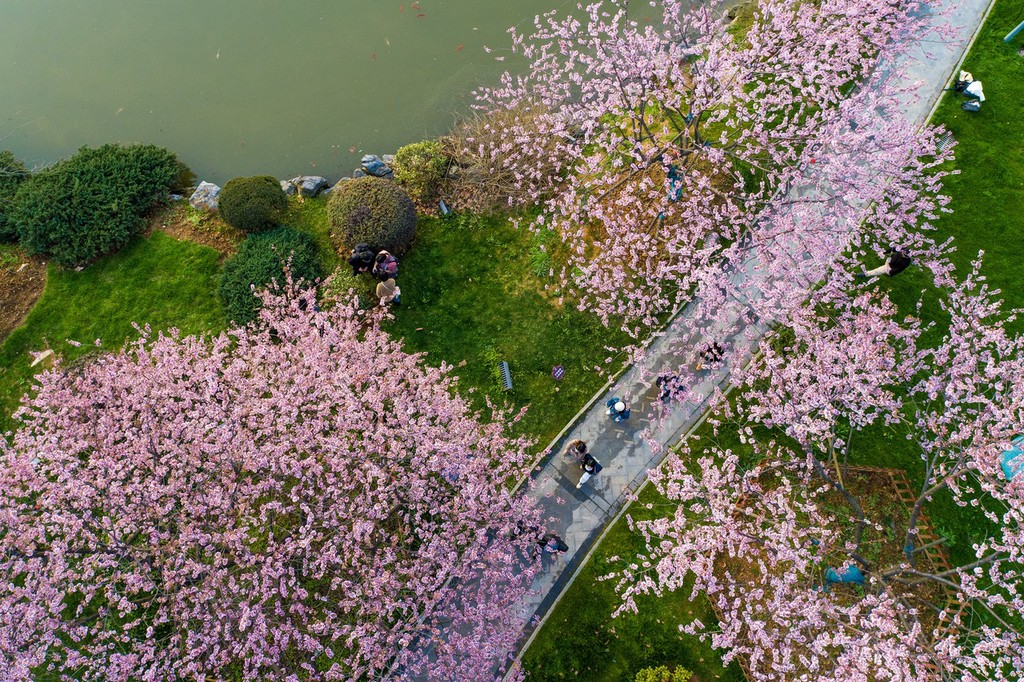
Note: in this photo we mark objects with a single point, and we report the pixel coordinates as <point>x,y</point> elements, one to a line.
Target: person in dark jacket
<point>552,543</point>
<point>896,263</point>
<point>590,467</point>
<point>617,409</point>
<point>361,259</point>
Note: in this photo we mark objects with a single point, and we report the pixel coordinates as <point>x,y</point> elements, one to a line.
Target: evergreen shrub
<point>663,674</point>
<point>259,261</point>
<point>420,169</point>
<point>252,204</point>
<point>12,173</point>
<point>94,202</point>
<point>373,211</point>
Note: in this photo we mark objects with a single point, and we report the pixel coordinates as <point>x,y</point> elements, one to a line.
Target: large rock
<point>339,183</point>
<point>310,185</point>
<point>205,198</point>
<point>288,188</point>
<point>374,166</point>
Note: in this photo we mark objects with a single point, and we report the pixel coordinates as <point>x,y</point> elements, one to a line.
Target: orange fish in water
<point>415,4</point>
<point>374,56</point>
<point>420,15</point>
<point>459,48</point>
<point>400,7</point>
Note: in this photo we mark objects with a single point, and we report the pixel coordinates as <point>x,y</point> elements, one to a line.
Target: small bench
<point>506,375</point>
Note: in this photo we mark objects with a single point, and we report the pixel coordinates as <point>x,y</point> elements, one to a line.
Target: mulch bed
<point>182,222</point>
<point>21,284</point>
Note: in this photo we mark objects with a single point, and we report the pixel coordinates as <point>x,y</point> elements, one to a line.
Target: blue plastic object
<point>1012,461</point>
<point>675,184</point>
<point>852,574</point>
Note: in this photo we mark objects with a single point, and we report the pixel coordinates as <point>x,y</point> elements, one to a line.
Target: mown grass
<point>158,281</point>
<point>473,295</point>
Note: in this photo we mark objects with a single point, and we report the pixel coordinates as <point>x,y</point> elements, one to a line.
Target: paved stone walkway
<point>580,516</point>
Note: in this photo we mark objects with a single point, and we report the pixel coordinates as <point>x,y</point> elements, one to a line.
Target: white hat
<point>620,406</point>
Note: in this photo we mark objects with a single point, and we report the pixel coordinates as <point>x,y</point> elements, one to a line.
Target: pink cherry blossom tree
<point>670,154</point>
<point>757,539</point>
<point>299,500</point>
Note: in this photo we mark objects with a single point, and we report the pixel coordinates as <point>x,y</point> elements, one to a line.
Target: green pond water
<point>240,87</point>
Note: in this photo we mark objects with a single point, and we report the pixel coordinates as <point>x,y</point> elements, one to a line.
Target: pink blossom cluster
<point>296,500</point>
<point>684,152</point>
<point>959,401</point>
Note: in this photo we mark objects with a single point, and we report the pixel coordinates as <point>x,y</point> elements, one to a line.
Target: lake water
<point>241,87</point>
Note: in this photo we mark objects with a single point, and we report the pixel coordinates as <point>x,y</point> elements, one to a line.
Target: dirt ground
<point>181,221</point>
<point>22,280</point>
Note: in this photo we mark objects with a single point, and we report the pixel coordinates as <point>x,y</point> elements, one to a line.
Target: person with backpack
<point>385,266</point>
<point>617,409</point>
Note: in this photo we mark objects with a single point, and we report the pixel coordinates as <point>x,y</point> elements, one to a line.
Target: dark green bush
<point>12,174</point>
<point>420,169</point>
<point>259,261</point>
<point>373,211</point>
<point>253,204</point>
<point>92,203</point>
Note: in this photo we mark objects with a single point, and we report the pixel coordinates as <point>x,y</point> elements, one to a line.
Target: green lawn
<point>158,281</point>
<point>472,296</point>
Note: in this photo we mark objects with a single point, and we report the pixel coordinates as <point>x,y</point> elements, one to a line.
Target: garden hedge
<point>373,211</point>
<point>92,203</point>
<point>420,169</point>
<point>12,173</point>
<point>259,261</point>
<point>252,204</point>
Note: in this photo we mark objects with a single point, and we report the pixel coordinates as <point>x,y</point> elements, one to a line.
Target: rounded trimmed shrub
<point>92,203</point>
<point>252,204</point>
<point>259,261</point>
<point>373,211</point>
<point>12,173</point>
<point>420,169</point>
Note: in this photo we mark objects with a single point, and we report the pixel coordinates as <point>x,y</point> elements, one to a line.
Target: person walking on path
<point>590,466</point>
<point>575,449</point>
<point>388,293</point>
<point>617,409</point>
<point>385,266</point>
<point>896,263</point>
<point>551,543</point>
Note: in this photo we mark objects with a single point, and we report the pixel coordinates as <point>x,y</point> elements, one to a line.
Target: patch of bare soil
<point>22,279</point>
<point>181,221</point>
